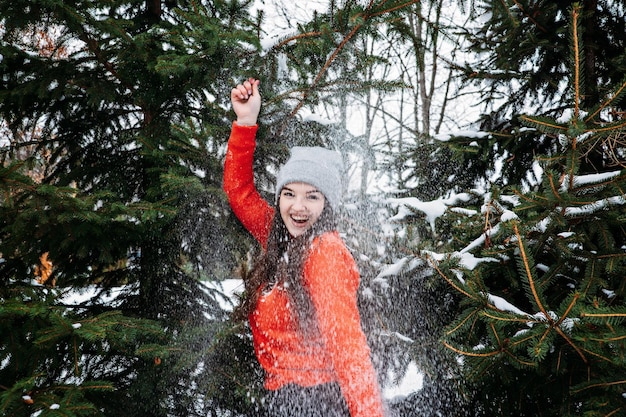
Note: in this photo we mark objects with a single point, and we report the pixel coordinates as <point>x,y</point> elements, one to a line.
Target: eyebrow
<point>308,192</point>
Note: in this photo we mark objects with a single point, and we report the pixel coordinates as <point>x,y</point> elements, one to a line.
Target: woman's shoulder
<point>330,262</point>
<point>330,238</point>
<point>330,244</point>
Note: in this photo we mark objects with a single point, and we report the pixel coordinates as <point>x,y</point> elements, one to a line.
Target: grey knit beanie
<point>320,167</point>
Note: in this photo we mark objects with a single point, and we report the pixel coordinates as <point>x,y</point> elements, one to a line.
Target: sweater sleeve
<point>333,279</point>
<point>251,209</point>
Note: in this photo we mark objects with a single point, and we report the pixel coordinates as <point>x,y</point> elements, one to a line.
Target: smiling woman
<point>301,296</point>
<point>300,206</point>
<point>310,179</point>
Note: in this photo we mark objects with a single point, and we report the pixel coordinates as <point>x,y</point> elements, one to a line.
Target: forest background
<point>485,204</point>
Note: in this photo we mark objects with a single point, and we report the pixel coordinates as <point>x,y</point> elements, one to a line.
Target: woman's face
<point>300,206</point>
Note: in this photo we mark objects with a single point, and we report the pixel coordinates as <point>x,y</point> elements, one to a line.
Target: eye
<point>314,196</point>
<point>287,193</point>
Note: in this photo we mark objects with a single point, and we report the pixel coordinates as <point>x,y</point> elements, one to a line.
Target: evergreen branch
<point>445,277</point>
<point>522,341</point>
<point>524,197</point>
<point>607,102</point>
<point>487,226</point>
<point>546,124</point>
<point>592,269</point>
<point>573,161</point>
<point>502,347</point>
<point>86,386</point>
<point>599,315</point>
<point>508,10</point>
<point>558,322</point>
<point>600,385</point>
<point>535,294</point>
<point>597,355</point>
<point>553,188</point>
<point>293,38</point>
<point>529,16</point>
<point>92,44</point>
<point>486,354</point>
<point>462,323</point>
<point>518,360</point>
<point>149,350</point>
<point>529,274</point>
<point>576,45</point>
<point>499,318</point>
<point>607,339</point>
<point>568,309</point>
<point>466,353</point>
<point>76,354</point>
<point>324,69</point>
<point>365,18</point>
<point>393,9</point>
<point>573,345</point>
<point>543,337</point>
<point>611,127</point>
<point>495,334</point>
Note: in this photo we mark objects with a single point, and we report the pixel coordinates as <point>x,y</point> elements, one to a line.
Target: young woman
<point>301,297</point>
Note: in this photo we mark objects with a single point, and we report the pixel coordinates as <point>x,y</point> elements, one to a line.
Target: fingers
<point>246,89</point>
<point>254,84</point>
<point>246,101</point>
<point>239,93</point>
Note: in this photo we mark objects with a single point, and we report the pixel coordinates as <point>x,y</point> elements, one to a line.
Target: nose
<point>299,204</point>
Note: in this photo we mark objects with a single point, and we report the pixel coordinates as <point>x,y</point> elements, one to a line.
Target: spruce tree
<point>126,129</point>
<point>540,270</point>
<point>518,55</point>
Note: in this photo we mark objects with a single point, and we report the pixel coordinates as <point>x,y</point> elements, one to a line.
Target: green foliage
<point>115,122</point>
<point>523,62</point>
<point>60,359</point>
<point>543,325</point>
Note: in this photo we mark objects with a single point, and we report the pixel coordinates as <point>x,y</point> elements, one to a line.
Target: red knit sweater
<point>340,352</point>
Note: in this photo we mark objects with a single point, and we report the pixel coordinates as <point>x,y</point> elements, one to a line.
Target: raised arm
<point>250,208</point>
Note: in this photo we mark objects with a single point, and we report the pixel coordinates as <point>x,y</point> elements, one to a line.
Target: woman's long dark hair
<point>283,262</point>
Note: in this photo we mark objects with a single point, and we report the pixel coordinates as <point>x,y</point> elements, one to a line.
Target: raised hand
<point>246,102</point>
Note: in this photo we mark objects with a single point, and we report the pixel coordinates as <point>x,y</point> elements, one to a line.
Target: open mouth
<point>300,220</point>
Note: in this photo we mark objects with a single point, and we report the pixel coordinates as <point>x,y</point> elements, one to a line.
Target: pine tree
<point>540,271</point>
<point>519,53</point>
<point>127,129</point>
